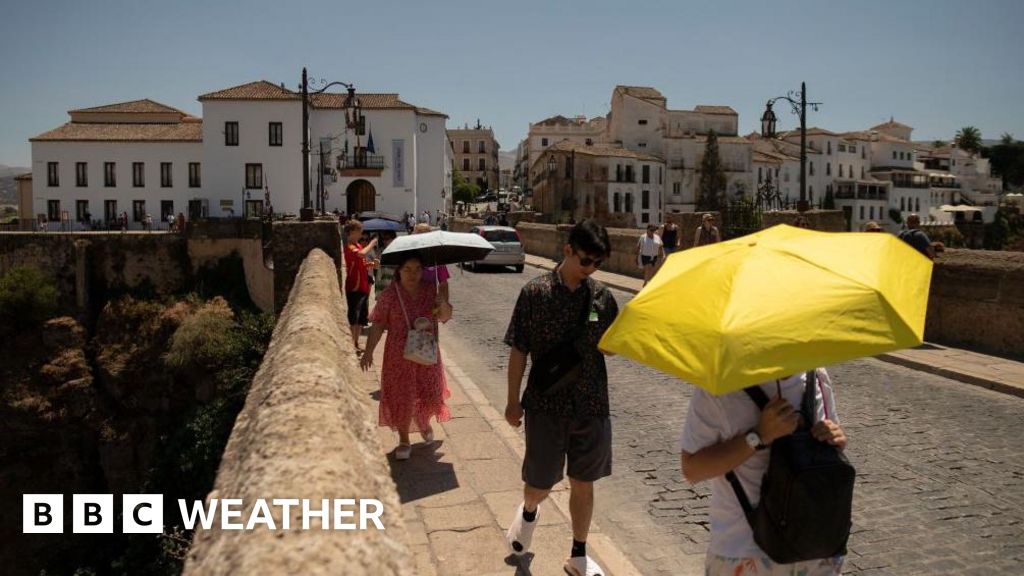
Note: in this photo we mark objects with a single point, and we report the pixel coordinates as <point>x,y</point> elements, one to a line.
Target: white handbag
<point>420,342</point>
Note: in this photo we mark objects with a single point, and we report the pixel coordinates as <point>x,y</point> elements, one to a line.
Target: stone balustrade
<point>306,431</point>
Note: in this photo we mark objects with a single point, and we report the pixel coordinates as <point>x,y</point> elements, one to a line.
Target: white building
<point>144,157</point>
<point>138,158</point>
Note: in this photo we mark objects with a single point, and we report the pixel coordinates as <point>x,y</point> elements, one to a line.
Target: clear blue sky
<point>936,65</point>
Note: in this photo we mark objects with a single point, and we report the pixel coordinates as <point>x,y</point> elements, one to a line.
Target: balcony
<point>360,164</point>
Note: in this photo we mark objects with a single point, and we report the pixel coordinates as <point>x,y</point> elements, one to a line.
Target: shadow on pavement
<point>521,563</point>
<point>422,475</point>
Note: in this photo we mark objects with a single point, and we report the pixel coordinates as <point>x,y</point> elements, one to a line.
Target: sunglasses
<point>587,261</point>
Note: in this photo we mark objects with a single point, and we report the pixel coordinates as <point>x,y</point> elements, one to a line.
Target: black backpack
<point>806,494</point>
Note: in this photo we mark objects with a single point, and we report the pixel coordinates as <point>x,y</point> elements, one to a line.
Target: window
<point>110,211</point>
<point>829,144</point>
<point>629,176</point>
<point>138,174</point>
<point>543,142</point>
<point>465,164</point>
<point>629,202</point>
<point>194,180</point>
<point>901,155</point>
<point>81,174</point>
<point>276,136</point>
<point>645,200</point>
<point>661,175</point>
<point>52,174</point>
<point>618,173</point>
<point>53,210</point>
<point>810,193</point>
<point>828,168</point>
<point>616,203</point>
<point>861,212</point>
<point>165,175</point>
<point>645,174</point>
<point>853,148</point>
<point>677,188</point>
<point>917,204</point>
<point>759,178</point>
<point>840,170</point>
<point>903,204</point>
<point>910,156</point>
<point>254,176</point>
<point>231,133</point>
<point>481,147</point>
<point>871,212</point>
<point>645,218</point>
<point>861,172</point>
<point>109,174</point>
<point>482,165</point>
<point>641,144</point>
<point>138,210</point>
<point>568,168</point>
<point>642,122</point>
<point>893,154</point>
<point>465,146</point>
<point>862,149</point>
<point>590,142</point>
<point>810,170</point>
<point>82,211</point>
<point>842,147</point>
<point>167,210</point>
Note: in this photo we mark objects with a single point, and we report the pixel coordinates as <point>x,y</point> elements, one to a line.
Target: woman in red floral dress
<point>411,393</point>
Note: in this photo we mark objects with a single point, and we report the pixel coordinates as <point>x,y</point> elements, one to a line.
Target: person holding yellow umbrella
<point>768,310</point>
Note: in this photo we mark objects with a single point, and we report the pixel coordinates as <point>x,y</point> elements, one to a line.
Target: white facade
<point>97,196</point>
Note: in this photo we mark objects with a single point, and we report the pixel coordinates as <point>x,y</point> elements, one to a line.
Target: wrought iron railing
<point>348,161</point>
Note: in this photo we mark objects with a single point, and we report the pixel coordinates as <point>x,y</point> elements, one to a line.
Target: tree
<point>968,138</point>
<point>462,190</point>
<point>712,176</point>
<point>1007,161</point>
<point>1006,139</point>
<point>940,144</point>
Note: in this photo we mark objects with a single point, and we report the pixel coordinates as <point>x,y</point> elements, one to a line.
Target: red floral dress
<point>409,392</point>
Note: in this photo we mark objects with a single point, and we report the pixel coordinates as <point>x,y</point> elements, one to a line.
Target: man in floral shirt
<point>558,320</point>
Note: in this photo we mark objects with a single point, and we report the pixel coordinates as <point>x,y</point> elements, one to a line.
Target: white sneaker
<point>520,533</point>
<point>582,566</point>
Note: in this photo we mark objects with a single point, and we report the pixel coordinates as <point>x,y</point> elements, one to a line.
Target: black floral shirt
<point>545,314</point>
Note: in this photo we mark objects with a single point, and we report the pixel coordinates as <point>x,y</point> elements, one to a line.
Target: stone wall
<point>977,300</point>
<point>306,431</point>
<point>292,242</point>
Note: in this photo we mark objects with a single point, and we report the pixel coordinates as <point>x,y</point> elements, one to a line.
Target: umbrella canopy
<point>379,224</point>
<point>437,247</point>
<point>364,216</point>
<point>779,302</point>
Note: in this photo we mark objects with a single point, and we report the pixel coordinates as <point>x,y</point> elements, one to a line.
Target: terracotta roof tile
<point>643,92</point>
<point>890,124</point>
<point>602,150</point>
<point>96,132</point>
<point>259,90</point>
<point>715,110</point>
<point>145,106</point>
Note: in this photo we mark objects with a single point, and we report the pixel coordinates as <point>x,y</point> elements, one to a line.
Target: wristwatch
<point>754,440</point>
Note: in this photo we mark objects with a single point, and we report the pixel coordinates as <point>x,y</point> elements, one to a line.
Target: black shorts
<point>552,440</point>
<point>648,260</point>
<point>358,308</point>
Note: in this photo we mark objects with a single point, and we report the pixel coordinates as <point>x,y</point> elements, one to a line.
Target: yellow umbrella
<point>779,302</point>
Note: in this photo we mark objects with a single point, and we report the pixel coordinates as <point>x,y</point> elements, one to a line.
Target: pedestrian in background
<point>383,275</point>
<point>558,320</point>
<point>917,238</point>
<point>411,393</point>
<point>707,232</point>
<point>670,237</point>
<point>357,279</point>
<point>650,251</point>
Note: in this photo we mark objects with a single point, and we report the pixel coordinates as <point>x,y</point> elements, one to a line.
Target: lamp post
<point>353,117</point>
<point>768,121</point>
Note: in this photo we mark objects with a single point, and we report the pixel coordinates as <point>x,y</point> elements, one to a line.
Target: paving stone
<point>479,446</point>
<point>461,553</point>
<point>459,426</point>
<point>494,475</point>
<point>503,504</point>
<point>459,517</point>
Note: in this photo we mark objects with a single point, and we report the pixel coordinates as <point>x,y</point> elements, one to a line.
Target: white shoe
<point>520,533</point>
<point>403,452</point>
<point>582,566</point>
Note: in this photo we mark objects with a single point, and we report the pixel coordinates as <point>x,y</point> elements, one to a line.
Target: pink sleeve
<point>442,274</point>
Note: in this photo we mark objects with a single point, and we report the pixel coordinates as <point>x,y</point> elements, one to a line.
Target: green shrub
<point>204,339</point>
<point>27,298</point>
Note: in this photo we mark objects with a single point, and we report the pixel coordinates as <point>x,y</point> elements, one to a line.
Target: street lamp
<point>353,119</point>
<point>768,121</point>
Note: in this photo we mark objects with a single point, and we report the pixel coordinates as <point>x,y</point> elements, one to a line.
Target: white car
<point>508,247</point>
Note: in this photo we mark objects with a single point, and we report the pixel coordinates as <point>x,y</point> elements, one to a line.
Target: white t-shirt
<point>714,419</point>
<point>650,246</point>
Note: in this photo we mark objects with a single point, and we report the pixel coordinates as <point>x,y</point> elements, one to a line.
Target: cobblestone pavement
<point>940,486</point>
